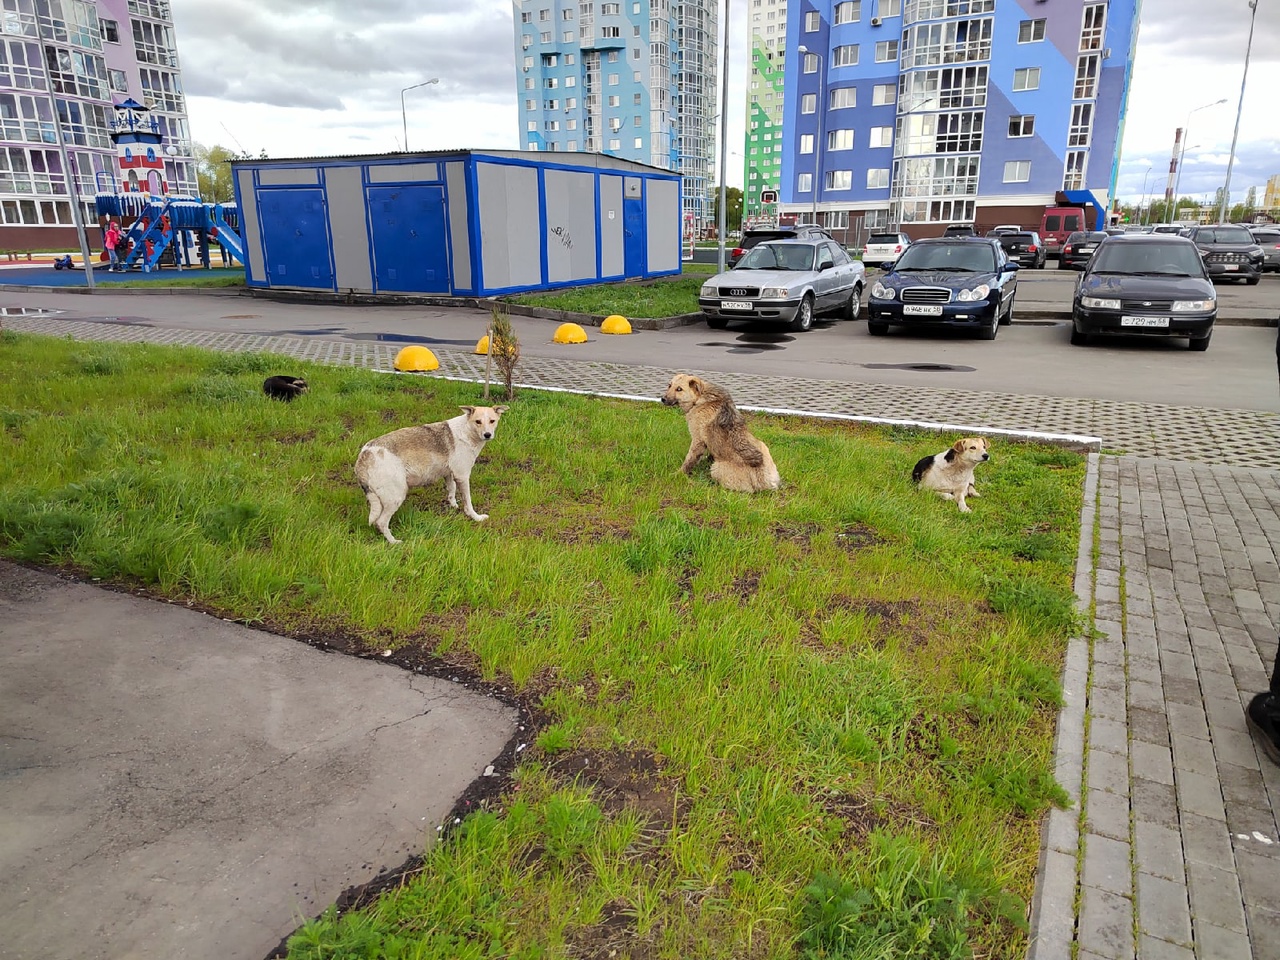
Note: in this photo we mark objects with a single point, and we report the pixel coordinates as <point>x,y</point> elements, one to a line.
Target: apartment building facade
<point>634,79</point>
<point>922,113</point>
<point>762,149</point>
<point>78,58</point>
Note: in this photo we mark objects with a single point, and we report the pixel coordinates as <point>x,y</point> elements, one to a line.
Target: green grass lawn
<point>193,277</point>
<point>650,299</point>
<point>811,723</point>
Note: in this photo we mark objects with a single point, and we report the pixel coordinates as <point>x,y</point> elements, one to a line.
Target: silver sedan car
<point>786,280</point>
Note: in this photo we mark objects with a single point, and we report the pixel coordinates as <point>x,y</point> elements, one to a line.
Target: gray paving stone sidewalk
<point>1172,847</point>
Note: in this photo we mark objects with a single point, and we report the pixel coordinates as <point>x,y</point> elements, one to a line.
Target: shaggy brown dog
<point>950,473</point>
<point>738,460</point>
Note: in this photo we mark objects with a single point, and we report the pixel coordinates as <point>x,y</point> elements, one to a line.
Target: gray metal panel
<point>250,229</point>
<point>404,172</point>
<point>662,224</point>
<point>611,250</point>
<point>570,231</point>
<point>349,228</point>
<point>289,177</point>
<point>455,175</point>
<point>509,217</point>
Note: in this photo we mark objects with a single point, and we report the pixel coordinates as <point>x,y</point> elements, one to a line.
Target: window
<point>611,33</point>
<point>635,122</point>
<point>1027,78</point>
<point>810,63</point>
<point>533,125</point>
<point>842,97</point>
<point>886,50</point>
<point>850,11</point>
<point>544,37</point>
<point>637,98</point>
<point>119,81</point>
<point>1093,26</point>
<point>526,42</point>
<point>809,103</point>
<point>528,63</point>
<point>570,81</point>
<point>531,104</point>
<point>888,8</point>
<point>1022,126</point>
<point>881,137</point>
<point>610,9</point>
<point>1073,176</point>
<point>806,143</point>
<point>573,145</point>
<point>639,143</point>
<point>526,17</point>
<point>845,56</point>
<point>613,79</point>
<point>883,94</point>
<point>552,125</point>
<point>567,36</point>
<point>528,83</point>
<point>110,30</point>
<point>1081,125</point>
<point>804,183</point>
<point>838,180</point>
<point>615,144</point>
<point>566,14</point>
<point>1086,77</point>
<point>812,22</point>
<point>615,100</point>
<point>1030,31</point>
<point>878,179</point>
<point>839,139</point>
<point>544,15</point>
<point>553,104</point>
<point>1017,171</point>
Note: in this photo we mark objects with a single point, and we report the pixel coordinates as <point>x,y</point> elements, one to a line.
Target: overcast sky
<point>324,77</point>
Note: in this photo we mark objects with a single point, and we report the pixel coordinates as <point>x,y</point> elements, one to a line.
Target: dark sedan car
<point>1145,285</point>
<point>1230,252</point>
<point>1079,247</point>
<point>1026,247</point>
<point>963,282</point>
<point>1269,241</point>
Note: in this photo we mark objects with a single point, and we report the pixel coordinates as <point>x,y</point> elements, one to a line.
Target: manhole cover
<point>928,367</point>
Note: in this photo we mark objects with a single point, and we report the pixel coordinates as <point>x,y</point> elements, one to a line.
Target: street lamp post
<point>821,107</point>
<point>1142,219</point>
<point>404,122</point>
<point>1231,157</point>
<point>1186,136</point>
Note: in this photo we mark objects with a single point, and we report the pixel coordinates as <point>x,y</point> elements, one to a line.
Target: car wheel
<point>1008,317</point>
<point>1201,345</point>
<point>804,315</point>
<point>1078,339</point>
<point>1253,281</point>
<point>717,323</point>
<point>877,329</point>
<point>855,303</point>
<point>989,333</point>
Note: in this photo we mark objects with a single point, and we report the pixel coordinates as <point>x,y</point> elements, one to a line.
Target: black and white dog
<point>284,388</point>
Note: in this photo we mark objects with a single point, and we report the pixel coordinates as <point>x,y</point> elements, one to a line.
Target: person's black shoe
<point>1263,717</point>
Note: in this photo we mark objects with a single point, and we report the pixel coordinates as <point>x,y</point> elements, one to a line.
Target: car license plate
<point>1231,266</point>
<point>1085,249</point>
<point>1144,321</point>
<point>921,310</point>
<point>735,305</point>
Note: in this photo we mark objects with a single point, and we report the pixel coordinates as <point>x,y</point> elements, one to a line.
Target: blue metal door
<point>295,238</point>
<point>633,237</point>
<point>409,250</point>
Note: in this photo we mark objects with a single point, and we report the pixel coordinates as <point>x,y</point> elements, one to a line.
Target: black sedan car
<point>1079,247</point>
<point>1153,285</point>
<point>1025,247</point>
<point>960,282</point>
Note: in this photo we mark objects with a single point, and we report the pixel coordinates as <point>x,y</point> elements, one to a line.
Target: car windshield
<point>1223,235</point>
<point>972,257</point>
<point>1173,259</point>
<point>1023,237</point>
<point>778,256</point>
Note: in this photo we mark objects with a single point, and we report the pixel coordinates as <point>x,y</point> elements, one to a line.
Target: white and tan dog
<point>738,460</point>
<point>950,473</point>
<point>389,466</point>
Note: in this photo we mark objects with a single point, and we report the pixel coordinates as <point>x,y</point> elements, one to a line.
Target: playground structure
<point>155,224</point>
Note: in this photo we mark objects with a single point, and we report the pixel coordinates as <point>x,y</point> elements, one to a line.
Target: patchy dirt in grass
<point>624,780</point>
<point>861,815</point>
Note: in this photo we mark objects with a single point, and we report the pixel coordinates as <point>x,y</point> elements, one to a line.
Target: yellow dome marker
<point>615,324</point>
<point>482,345</point>
<point>415,358</point>
<point>570,333</point>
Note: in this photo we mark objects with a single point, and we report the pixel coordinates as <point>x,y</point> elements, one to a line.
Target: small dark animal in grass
<point>390,465</point>
<point>950,473</point>
<point>284,388</point>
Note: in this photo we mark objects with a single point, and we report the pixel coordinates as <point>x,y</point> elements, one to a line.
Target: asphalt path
<point>1031,357</point>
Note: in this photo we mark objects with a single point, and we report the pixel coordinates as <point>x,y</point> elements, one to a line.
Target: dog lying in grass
<point>950,473</point>
<point>390,465</point>
<point>284,388</point>
<point>738,460</point>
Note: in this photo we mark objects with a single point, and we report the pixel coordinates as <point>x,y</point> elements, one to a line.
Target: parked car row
<point>1140,284</point>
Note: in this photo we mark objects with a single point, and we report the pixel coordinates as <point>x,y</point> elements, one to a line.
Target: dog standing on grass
<point>950,473</point>
<point>389,466</point>
<point>738,460</point>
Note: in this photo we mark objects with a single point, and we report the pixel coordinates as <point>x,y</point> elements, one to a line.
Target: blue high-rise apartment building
<point>634,79</point>
<point>921,113</point>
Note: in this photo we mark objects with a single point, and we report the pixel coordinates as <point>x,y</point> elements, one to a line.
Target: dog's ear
<point>499,410</point>
<point>957,447</point>
<point>695,386</point>
<point>468,410</point>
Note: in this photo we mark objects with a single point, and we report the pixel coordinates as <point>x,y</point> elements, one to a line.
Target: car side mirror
<point>887,265</point>
<point>825,265</point>
<point>1013,266</point>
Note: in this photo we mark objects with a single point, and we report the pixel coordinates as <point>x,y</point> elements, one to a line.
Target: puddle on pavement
<point>927,367</point>
<point>406,338</point>
<point>242,316</point>
<point>27,312</point>
<point>752,341</point>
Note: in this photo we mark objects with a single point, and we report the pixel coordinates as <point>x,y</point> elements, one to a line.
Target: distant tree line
<point>213,170</point>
